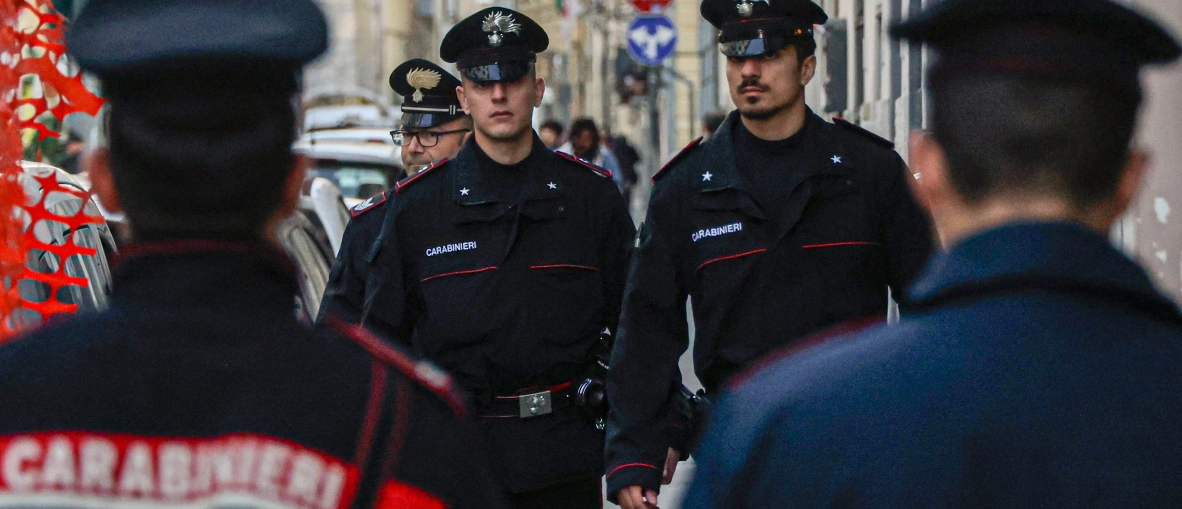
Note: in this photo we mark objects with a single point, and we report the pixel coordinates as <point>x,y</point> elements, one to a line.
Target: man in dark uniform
<point>433,125</point>
<point>433,128</point>
<point>778,226</point>
<point>198,387</point>
<point>1038,366</point>
<point>505,266</point>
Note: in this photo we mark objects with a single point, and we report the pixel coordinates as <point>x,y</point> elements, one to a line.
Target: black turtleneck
<point>773,167</point>
<point>512,179</point>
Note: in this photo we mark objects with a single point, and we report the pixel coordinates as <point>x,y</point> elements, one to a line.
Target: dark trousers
<point>577,494</point>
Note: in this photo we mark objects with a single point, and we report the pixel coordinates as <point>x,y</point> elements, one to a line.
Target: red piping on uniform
<point>398,187</point>
<point>377,391</point>
<point>731,257</point>
<point>398,431</point>
<point>565,266</point>
<point>837,244</point>
<point>617,469</point>
<point>457,273</point>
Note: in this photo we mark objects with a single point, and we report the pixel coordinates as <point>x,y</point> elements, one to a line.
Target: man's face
<point>549,136</point>
<point>583,143</point>
<point>763,86</point>
<point>502,111</point>
<point>414,154</point>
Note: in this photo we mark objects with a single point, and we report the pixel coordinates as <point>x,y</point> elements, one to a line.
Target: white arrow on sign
<point>652,41</point>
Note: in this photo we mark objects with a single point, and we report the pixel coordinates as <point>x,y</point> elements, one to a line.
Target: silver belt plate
<point>533,405</point>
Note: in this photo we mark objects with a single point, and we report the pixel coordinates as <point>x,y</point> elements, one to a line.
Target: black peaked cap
<point>790,13</point>
<point>495,34</point>
<point>428,93</point>
<point>952,22</point>
<point>114,37</point>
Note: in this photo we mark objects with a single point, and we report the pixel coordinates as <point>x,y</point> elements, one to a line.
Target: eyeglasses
<point>426,138</point>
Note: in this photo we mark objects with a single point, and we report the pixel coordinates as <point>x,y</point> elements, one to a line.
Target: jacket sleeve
<point>345,292</point>
<point>644,363</point>
<point>617,251</point>
<point>384,308</point>
<point>906,229</point>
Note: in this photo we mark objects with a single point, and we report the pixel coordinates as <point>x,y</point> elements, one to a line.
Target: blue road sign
<point>651,39</point>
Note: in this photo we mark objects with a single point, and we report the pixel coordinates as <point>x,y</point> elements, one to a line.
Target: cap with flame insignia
<point>494,44</point>
<point>428,93</point>
<point>749,28</point>
<point>1091,42</point>
<point>198,63</point>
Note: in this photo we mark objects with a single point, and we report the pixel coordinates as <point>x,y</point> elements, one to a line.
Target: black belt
<point>534,403</point>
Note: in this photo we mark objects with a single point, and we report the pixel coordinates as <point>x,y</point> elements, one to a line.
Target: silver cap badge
<point>497,24</point>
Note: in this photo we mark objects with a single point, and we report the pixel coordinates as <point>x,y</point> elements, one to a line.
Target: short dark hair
<point>805,47</point>
<point>552,125</point>
<point>1010,134</point>
<point>186,178</point>
<point>582,125</point>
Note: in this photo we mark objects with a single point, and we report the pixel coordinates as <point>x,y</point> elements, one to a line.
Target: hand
<point>670,465</point>
<point>636,497</point>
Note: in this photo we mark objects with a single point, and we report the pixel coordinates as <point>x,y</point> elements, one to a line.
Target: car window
<point>313,270</point>
<point>353,178</point>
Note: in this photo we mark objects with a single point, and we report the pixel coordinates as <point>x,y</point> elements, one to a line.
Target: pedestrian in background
<point>1037,366</point>
<point>778,226</point>
<point>627,158</point>
<point>198,387</point>
<point>585,143</point>
<point>711,121</point>
<point>551,134</point>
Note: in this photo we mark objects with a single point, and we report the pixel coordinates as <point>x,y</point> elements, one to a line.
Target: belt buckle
<point>533,405</point>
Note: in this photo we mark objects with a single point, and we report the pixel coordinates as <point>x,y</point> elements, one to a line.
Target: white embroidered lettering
<point>271,464</point>
<point>175,469</point>
<point>58,469</point>
<point>20,452</point>
<point>98,465</point>
<point>304,479</point>
<point>136,477</point>
<point>451,248</point>
<point>717,231</point>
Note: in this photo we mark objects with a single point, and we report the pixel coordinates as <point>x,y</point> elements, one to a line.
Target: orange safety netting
<point>31,44</point>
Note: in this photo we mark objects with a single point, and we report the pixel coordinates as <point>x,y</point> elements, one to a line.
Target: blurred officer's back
<point>1038,367</point>
<point>199,387</point>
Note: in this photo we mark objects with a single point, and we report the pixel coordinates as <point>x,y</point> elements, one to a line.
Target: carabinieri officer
<point>778,226</point>
<point>505,265</point>
<point>433,127</point>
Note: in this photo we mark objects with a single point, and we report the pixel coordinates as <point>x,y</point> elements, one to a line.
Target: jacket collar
<point>205,273</point>
<point>473,184</point>
<point>826,155</point>
<point>1061,257</point>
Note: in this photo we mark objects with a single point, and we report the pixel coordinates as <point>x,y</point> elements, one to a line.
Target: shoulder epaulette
<point>685,151</point>
<point>602,172</point>
<point>369,204</point>
<point>424,372</point>
<point>859,130</point>
<point>411,179</point>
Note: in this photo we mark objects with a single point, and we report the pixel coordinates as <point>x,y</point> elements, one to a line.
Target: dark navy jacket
<point>198,385</point>
<point>1039,368</point>
<point>344,295</point>
<point>505,277</point>
<point>849,230</point>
